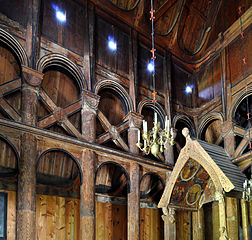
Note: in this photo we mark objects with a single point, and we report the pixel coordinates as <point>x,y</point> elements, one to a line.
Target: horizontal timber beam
<point>53,138</point>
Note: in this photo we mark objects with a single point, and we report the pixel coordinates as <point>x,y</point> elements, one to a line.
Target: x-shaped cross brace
<point>6,89</point>
<point>112,131</point>
<point>59,114</point>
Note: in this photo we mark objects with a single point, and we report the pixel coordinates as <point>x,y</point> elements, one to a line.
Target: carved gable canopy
<point>202,169</point>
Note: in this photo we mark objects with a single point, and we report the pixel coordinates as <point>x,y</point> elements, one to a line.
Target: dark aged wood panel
<point>112,107</point>
<point>180,79</point>
<point>167,16</point>
<point>125,5</point>
<point>212,132</point>
<point>69,34</point>
<point>144,78</point>
<point>16,10</point>
<point>227,15</point>
<point>111,221</point>
<point>58,164</point>
<point>7,156</point>
<point>116,61</point>
<point>151,224</point>
<point>235,65</point>
<point>209,82</point>
<point>196,18</point>
<point>9,70</point>
<point>57,218</point>
<point>110,179</point>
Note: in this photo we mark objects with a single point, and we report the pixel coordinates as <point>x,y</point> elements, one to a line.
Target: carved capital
<point>90,101</point>
<point>169,215</point>
<point>135,119</point>
<point>219,197</point>
<point>227,127</point>
<point>31,76</point>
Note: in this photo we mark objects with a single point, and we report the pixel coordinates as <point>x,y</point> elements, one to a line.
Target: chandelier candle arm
<point>156,139</point>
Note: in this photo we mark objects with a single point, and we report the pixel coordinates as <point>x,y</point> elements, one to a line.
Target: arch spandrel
<point>193,151</point>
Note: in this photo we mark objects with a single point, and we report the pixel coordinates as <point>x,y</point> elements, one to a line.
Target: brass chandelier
<point>156,139</point>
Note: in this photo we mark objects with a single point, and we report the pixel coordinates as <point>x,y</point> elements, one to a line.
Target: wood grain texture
<point>11,215</point>
<point>111,221</point>
<point>57,218</point>
<point>151,224</point>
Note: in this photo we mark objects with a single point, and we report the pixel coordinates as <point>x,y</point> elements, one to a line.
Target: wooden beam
<point>241,147</point>
<point>65,112</point>
<point>10,86</point>
<point>47,100</point>
<point>104,121</point>
<point>9,110</point>
<point>239,130</point>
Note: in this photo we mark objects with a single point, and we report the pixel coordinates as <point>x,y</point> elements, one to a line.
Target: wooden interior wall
<point>57,218</point>
<point>183,225</point>
<point>9,70</point>
<point>111,221</point>
<point>151,224</point>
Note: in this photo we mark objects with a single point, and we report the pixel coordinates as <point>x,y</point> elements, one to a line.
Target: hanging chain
<point>153,50</point>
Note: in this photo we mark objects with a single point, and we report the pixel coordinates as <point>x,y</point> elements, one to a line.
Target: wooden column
<point>232,218</point>
<point>245,223</point>
<point>135,122</point>
<point>222,216</point>
<point>198,224</point>
<point>89,46</point>
<point>32,40</point>
<point>169,223</point>
<point>134,203</point>
<point>229,138</point>
<point>88,162</point>
<point>250,212</point>
<point>26,192</point>
<point>133,67</point>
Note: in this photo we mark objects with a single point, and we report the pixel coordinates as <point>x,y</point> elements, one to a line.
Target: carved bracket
<point>90,101</point>
<point>31,76</point>
<point>135,119</point>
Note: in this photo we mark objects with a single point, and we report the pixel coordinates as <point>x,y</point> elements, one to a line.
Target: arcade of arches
<point>71,109</point>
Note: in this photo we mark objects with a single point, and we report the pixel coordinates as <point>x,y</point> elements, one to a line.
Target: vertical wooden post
<point>250,212</point>
<point>88,161</point>
<point>133,67</point>
<point>134,203</point>
<point>222,216</point>
<point>229,138</point>
<point>198,224</point>
<point>135,121</point>
<point>232,218</point>
<point>169,223</point>
<point>26,193</point>
<point>32,31</point>
<point>245,226</point>
<point>89,44</point>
